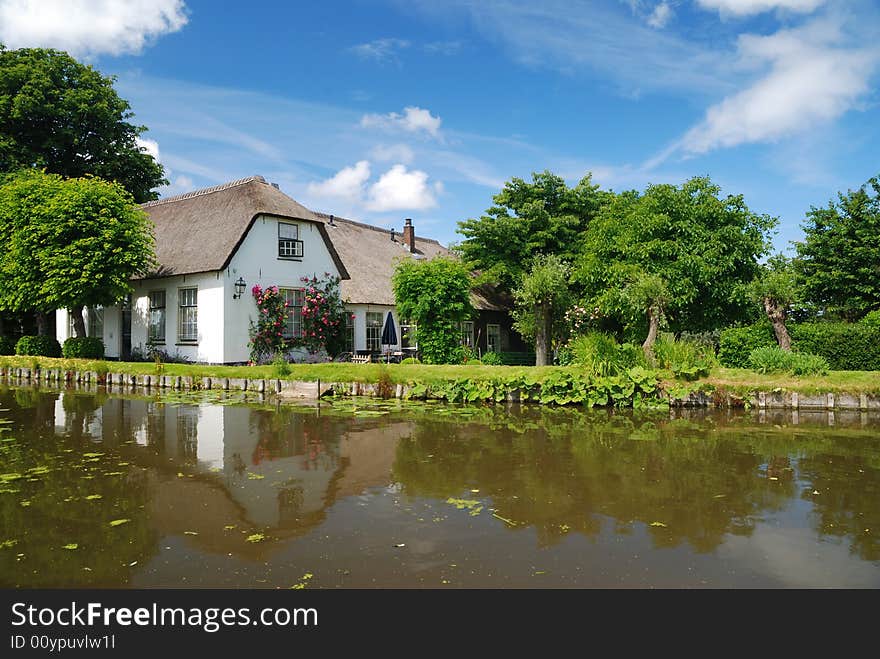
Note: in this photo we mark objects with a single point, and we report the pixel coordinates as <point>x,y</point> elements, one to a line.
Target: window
<point>156,332</point>
<point>493,338</point>
<point>293,325</point>
<point>348,337</point>
<point>467,333</point>
<point>188,315</point>
<point>374,331</point>
<point>289,245</point>
<point>94,322</point>
<point>407,334</point>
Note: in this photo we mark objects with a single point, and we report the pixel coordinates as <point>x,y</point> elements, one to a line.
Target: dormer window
<point>289,244</point>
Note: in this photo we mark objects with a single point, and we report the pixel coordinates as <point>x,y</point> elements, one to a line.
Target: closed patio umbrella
<point>389,332</point>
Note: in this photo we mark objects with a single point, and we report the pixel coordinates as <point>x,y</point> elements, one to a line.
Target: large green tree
<point>69,243</point>
<point>435,296</point>
<point>544,216</point>
<point>65,117</point>
<point>839,259</point>
<point>680,252</point>
<point>542,298</point>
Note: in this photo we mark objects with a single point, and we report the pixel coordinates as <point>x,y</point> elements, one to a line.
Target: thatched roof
<point>370,255</point>
<point>200,231</point>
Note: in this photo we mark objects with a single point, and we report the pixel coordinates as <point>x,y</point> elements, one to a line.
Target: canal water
<point>214,490</point>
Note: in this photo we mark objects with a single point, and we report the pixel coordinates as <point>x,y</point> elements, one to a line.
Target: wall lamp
<point>240,285</point>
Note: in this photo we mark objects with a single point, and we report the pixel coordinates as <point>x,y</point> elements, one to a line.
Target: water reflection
<point>209,493</point>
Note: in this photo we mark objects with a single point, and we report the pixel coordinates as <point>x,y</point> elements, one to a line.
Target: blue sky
<point>383,110</point>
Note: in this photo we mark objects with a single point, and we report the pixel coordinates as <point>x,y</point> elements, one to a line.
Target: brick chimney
<point>409,235</point>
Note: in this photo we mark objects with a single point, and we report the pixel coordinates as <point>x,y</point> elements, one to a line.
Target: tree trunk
<point>776,314</point>
<point>42,323</point>
<point>653,329</point>
<point>79,325</point>
<point>541,337</point>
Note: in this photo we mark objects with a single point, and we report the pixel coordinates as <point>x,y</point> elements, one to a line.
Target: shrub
<point>7,345</point>
<point>773,359</point>
<point>736,344</point>
<point>38,346</point>
<point>686,359</point>
<point>872,319</point>
<point>86,347</point>
<point>280,366</point>
<point>600,355</point>
<point>846,346</point>
<point>769,359</point>
<point>410,360</point>
<point>803,363</point>
<point>492,359</point>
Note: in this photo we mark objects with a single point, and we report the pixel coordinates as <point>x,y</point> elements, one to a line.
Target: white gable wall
<point>112,336</point>
<point>210,315</point>
<point>257,262</point>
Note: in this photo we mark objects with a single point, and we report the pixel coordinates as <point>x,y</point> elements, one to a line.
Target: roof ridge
<point>327,216</point>
<point>203,191</point>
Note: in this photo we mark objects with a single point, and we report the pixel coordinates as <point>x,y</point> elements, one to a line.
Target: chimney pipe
<point>393,239</point>
<point>409,235</point>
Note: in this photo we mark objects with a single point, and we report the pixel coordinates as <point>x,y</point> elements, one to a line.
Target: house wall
<point>359,311</point>
<point>257,262</point>
<point>112,336</point>
<point>511,341</point>
<point>211,302</point>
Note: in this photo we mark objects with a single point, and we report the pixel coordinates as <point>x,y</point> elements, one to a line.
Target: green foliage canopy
<point>435,295</point>
<point>697,250</point>
<point>839,258</point>
<point>63,116</point>
<point>543,216</point>
<point>69,243</point>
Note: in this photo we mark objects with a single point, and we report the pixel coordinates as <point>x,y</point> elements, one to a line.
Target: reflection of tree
<point>568,477</point>
<point>290,501</point>
<point>56,479</point>
<point>846,505</point>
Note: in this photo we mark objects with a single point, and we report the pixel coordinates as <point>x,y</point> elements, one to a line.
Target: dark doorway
<point>125,348</point>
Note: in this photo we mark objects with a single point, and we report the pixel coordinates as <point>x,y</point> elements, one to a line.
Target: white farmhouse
<point>214,245</point>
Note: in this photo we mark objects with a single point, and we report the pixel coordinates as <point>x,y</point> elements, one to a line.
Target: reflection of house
<point>214,245</point>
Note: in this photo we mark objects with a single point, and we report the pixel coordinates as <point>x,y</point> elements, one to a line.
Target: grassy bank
<point>735,380</point>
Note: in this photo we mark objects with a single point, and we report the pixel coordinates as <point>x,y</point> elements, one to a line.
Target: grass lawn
<point>741,380</point>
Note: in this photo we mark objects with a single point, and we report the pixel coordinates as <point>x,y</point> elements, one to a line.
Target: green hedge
<point>7,345</point>
<point>846,346</point>
<point>38,346</point>
<point>736,343</point>
<point>86,347</point>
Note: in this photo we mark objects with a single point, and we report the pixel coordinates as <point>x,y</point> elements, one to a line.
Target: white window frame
<point>191,335</point>
<point>467,333</point>
<point>289,244</point>
<point>159,311</point>
<point>489,338</point>
<point>295,297</point>
<point>374,331</point>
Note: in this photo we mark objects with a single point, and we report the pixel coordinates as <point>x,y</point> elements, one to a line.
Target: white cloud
<point>660,16</point>
<point>380,50</point>
<point>399,189</point>
<point>814,77</point>
<point>150,146</point>
<point>393,152</point>
<point>751,7</point>
<point>347,184</point>
<point>413,120</point>
<point>89,27</point>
